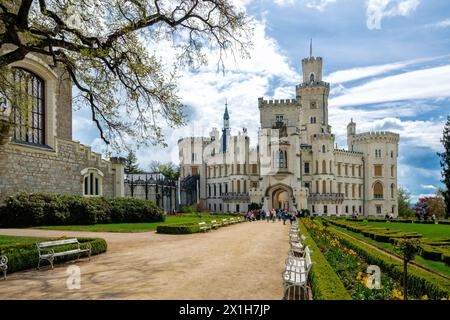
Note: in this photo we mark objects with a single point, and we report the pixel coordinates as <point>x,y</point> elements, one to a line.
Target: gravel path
<point>242,261</point>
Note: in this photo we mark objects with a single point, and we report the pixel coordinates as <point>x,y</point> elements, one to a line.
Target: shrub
<point>446,258</point>
<point>188,209</point>
<point>325,283</point>
<point>178,228</point>
<point>37,209</point>
<point>431,253</point>
<point>22,257</point>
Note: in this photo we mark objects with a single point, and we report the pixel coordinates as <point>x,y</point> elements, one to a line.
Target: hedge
<point>25,256</point>
<point>325,283</point>
<point>38,209</point>
<point>178,228</point>
<point>420,282</point>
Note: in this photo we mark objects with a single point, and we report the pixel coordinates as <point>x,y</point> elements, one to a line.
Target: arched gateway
<point>279,196</point>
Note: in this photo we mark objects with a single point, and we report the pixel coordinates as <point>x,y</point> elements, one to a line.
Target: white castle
<point>295,164</point>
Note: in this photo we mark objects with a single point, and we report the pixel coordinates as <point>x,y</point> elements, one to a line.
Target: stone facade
<point>296,164</point>
<point>59,165</point>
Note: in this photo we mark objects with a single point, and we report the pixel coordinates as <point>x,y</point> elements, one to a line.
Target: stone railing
<point>332,197</point>
<point>237,196</point>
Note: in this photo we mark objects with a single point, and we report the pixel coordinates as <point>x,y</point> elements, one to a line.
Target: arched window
<point>324,166</point>
<point>323,148</point>
<point>378,190</point>
<point>331,166</point>
<point>324,186</point>
<point>29,113</point>
<point>317,167</point>
<point>392,190</point>
<point>311,77</point>
<point>92,182</point>
<point>282,159</point>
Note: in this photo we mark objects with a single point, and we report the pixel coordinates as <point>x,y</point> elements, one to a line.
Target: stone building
<point>37,152</point>
<point>296,164</point>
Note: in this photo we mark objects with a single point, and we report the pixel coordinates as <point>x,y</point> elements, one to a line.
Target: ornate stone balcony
<point>235,196</point>
<point>326,197</point>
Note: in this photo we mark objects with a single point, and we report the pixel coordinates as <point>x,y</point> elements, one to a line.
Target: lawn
<point>429,231</point>
<point>130,227</point>
<point>425,229</point>
<point>12,240</point>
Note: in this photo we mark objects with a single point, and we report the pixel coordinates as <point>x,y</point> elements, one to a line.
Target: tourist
<point>433,217</point>
<point>272,215</point>
<point>267,215</point>
<point>284,216</point>
<point>279,214</point>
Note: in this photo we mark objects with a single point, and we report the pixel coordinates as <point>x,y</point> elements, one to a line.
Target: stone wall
<point>33,169</point>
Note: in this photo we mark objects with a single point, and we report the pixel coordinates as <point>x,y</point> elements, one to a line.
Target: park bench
<point>225,222</point>
<point>47,252</point>
<point>232,221</point>
<point>4,265</point>
<point>296,275</point>
<point>203,226</point>
<point>215,224</point>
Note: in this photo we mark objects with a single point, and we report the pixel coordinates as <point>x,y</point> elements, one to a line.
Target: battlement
<point>314,84</point>
<point>311,59</point>
<point>348,153</point>
<point>276,102</point>
<point>321,136</point>
<point>377,135</point>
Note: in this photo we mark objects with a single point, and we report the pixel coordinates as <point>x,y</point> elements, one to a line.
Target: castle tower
<point>351,131</point>
<point>226,129</point>
<point>313,96</point>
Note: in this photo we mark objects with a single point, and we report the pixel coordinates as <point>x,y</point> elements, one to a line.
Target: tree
<point>408,248</point>
<point>109,49</point>
<point>168,170</point>
<point>131,164</point>
<point>404,202</point>
<point>445,165</point>
<point>431,205</point>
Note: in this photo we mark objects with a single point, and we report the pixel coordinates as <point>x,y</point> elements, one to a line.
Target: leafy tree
<point>404,202</point>
<point>131,164</point>
<point>445,165</point>
<point>431,205</point>
<point>111,50</point>
<point>407,248</point>
<point>168,170</point>
<point>254,206</point>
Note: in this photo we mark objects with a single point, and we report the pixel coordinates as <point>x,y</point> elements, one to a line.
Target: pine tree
<point>445,164</point>
<point>131,164</point>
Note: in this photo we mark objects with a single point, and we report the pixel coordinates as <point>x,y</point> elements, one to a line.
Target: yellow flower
<point>424,297</point>
<point>358,277</point>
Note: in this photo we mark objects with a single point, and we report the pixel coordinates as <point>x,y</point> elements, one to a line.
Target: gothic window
<point>378,170</point>
<point>324,166</point>
<point>92,182</point>
<point>392,154</point>
<point>313,119</point>
<point>279,118</point>
<point>392,191</point>
<point>317,167</point>
<point>392,170</point>
<point>324,186</point>
<point>378,190</point>
<point>323,148</point>
<point>29,117</point>
<point>306,167</point>
<point>331,166</point>
<point>311,77</point>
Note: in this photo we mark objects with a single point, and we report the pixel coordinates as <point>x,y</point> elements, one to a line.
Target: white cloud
<point>440,25</point>
<point>419,84</point>
<point>428,186</point>
<point>284,3</point>
<point>319,4</point>
<point>378,9</point>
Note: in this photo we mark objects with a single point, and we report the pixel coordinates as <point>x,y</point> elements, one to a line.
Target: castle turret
<point>351,131</point>
<point>226,129</point>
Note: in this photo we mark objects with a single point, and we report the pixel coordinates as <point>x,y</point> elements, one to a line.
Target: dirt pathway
<point>242,261</point>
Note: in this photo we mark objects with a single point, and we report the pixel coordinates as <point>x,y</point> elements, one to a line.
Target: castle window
<point>324,186</point>
<point>392,154</point>
<point>392,170</point>
<point>378,170</point>
<point>279,118</point>
<point>325,209</point>
<point>282,159</point>
<point>313,119</point>
<point>323,148</point>
<point>92,182</point>
<point>306,167</point>
<point>254,168</point>
<point>29,119</point>
<point>324,166</point>
<point>378,190</point>
<point>317,167</point>
<point>313,105</point>
<point>392,191</point>
<point>379,209</point>
<point>311,77</point>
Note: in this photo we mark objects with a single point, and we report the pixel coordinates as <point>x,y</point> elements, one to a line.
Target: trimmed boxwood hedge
<point>25,256</point>
<point>420,282</point>
<point>40,209</point>
<point>178,228</point>
<point>325,283</point>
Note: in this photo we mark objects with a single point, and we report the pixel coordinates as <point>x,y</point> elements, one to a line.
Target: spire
<point>226,116</point>
<point>310,48</point>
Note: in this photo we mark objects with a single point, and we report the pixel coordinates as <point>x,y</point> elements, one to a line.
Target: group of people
<point>271,215</point>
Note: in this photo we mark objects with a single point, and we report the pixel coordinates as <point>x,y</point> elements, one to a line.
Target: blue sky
<point>388,62</point>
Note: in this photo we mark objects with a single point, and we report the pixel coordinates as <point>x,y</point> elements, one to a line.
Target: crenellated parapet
<point>382,136</point>
<point>343,152</point>
<point>322,136</point>
<point>276,102</point>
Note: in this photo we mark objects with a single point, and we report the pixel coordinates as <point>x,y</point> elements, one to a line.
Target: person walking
<point>267,215</point>
<point>272,215</point>
<point>283,216</point>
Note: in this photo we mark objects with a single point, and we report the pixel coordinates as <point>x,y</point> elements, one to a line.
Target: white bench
<point>203,226</point>
<point>4,265</point>
<point>47,253</point>
<point>296,274</point>
<point>215,224</point>
<point>225,222</point>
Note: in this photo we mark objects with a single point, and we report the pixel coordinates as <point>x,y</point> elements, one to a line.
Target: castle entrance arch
<point>279,196</point>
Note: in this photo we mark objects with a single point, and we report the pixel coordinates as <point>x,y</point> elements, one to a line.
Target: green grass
<point>11,240</point>
<point>429,231</point>
<point>130,227</point>
<point>423,229</point>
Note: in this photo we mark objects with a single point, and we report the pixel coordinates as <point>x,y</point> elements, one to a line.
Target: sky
<point>387,61</point>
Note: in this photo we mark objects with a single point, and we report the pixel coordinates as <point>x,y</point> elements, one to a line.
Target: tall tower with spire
<point>226,128</point>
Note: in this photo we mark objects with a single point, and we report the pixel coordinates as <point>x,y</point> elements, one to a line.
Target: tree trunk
<point>405,279</point>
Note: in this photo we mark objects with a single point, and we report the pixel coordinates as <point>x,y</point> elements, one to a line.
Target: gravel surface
<point>242,261</point>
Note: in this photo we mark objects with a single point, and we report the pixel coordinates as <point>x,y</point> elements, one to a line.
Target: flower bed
<point>351,267</point>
